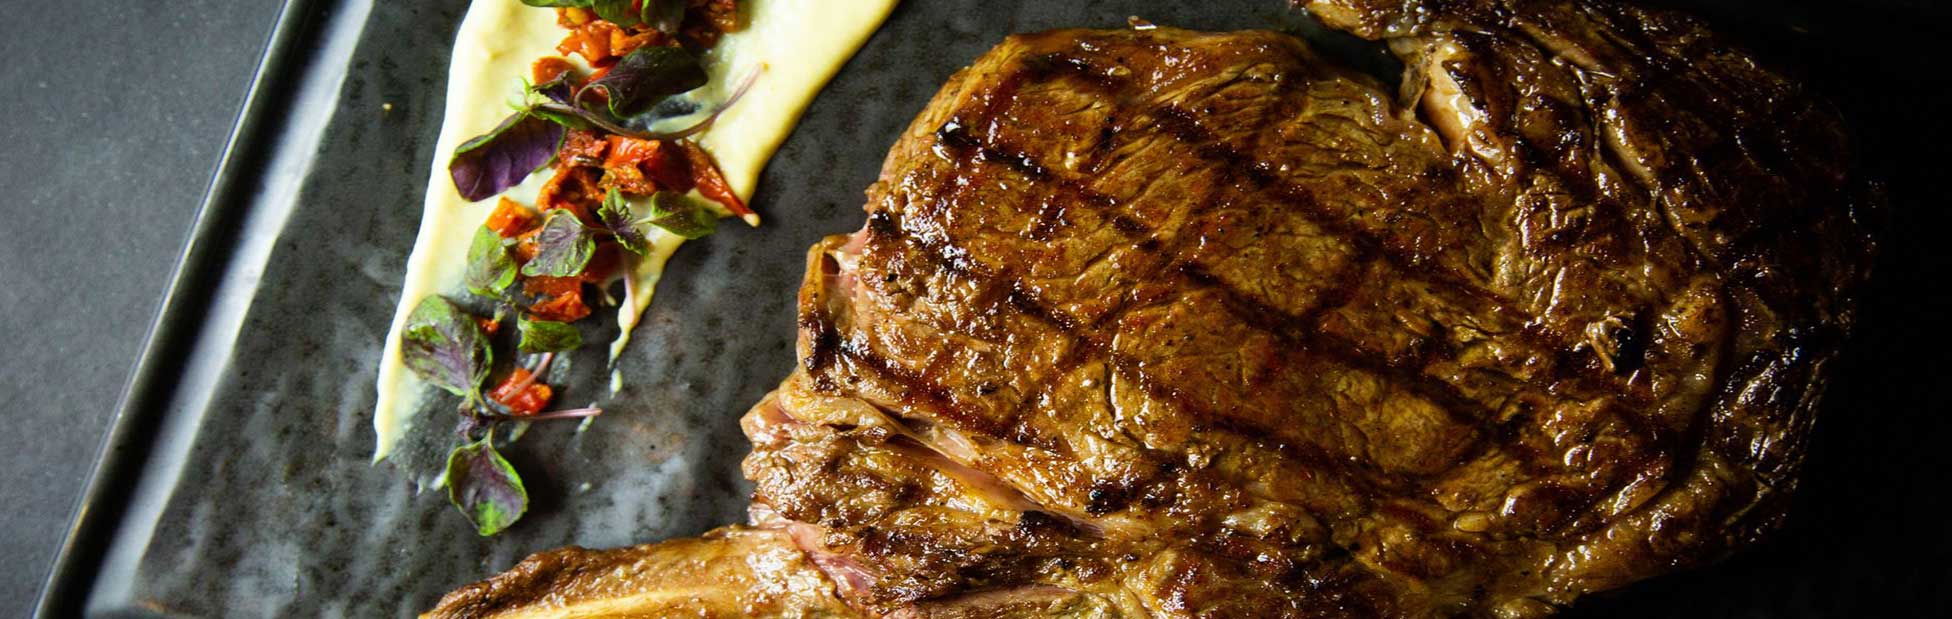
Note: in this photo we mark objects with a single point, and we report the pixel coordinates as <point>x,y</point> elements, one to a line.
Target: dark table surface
<point>116,115</point>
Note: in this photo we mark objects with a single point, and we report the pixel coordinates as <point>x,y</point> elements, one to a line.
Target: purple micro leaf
<point>491,268</point>
<point>616,217</point>
<point>485,487</point>
<point>444,346</point>
<point>645,77</point>
<point>493,162</point>
<point>639,126</point>
<point>558,90</point>
<point>552,100</point>
<point>562,248</point>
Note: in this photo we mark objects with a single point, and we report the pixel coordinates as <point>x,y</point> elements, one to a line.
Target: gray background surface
<point>116,114</point>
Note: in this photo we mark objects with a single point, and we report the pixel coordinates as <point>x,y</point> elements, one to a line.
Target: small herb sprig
<point>448,347</point>
<point>672,211</point>
<point>536,265</point>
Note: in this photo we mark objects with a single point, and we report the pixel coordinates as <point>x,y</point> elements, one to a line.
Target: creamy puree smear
<point>791,47</point>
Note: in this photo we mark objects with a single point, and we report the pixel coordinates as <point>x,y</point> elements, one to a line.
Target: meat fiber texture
<point>1159,323</point>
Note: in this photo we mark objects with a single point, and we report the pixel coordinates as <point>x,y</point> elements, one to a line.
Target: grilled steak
<point>1157,323</point>
<point>731,572</point>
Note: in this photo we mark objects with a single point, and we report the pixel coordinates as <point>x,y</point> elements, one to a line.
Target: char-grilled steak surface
<point>1177,324</point>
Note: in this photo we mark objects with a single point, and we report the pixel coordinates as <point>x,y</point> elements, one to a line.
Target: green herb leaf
<point>675,212</point>
<point>562,248</point>
<point>646,76</point>
<point>681,215</point>
<point>490,269</point>
<point>485,487</point>
<point>664,15</point>
<point>566,119</point>
<point>445,347</point>
<point>540,336</point>
<point>615,214</point>
<point>619,12</point>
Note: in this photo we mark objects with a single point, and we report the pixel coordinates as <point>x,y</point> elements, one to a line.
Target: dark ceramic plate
<point>237,482</point>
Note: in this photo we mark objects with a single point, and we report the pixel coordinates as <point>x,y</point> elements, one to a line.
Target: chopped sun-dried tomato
<point>711,182</point>
<point>548,68</point>
<point>623,42</point>
<point>545,286</point>
<point>591,39</point>
<point>488,325</point>
<point>643,167</point>
<point>574,188</point>
<point>525,247</point>
<point>563,300</point>
<point>583,148</point>
<point>521,393</point>
<point>707,21</point>
<point>601,42</point>
<point>510,218</point>
<point>625,149</point>
<point>567,307</point>
<point>627,178</point>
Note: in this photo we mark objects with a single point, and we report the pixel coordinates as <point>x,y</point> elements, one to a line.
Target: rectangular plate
<point>236,481</point>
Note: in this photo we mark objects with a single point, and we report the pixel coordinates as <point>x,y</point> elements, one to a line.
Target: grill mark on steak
<point>920,392</point>
<point>1353,473</point>
<point>1356,473</point>
<point>1180,124</point>
<point>1087,343</point>
<point>1185,127</point>
<point>1294,330</point>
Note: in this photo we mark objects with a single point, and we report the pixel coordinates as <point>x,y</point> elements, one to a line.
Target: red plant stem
<point>573,413</point>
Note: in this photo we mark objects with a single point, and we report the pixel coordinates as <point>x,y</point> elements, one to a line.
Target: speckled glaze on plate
<point>238,483</point>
